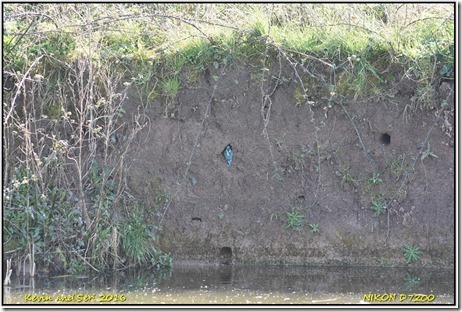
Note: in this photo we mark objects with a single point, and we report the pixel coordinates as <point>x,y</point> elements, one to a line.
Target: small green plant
<point>379,206</point>
<point>396,167</point>
<point>162,196</point>
<point>428,152</point>
<point>120,112</point>
<point>295,219</point>
<point>171,87</point>
<point>298,160</point>
<point>399,167</point>
<point>347,178</point>
<point>314,228</point>
<point>375,180</point>
<point>411,253</point>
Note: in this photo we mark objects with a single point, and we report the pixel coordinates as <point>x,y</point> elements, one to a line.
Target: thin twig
<point>267,103</point>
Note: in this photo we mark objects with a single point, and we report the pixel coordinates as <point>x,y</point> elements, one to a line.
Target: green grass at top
<point>301,40</point>
<point>200,35</point>
<point>198,53</point>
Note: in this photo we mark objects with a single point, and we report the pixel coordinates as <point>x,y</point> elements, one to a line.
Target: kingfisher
<point>228,153</point>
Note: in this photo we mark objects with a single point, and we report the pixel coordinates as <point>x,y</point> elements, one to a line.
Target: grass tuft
<point>171,87</point>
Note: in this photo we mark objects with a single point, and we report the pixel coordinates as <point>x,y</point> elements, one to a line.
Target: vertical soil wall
<point>332,180</point>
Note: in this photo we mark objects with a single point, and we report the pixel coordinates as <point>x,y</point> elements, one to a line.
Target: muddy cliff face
<point>331,180</point>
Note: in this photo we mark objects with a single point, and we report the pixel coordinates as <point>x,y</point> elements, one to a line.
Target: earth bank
<point>358,179</point>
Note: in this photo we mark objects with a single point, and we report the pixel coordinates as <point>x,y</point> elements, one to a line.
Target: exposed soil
<point>238,213</point>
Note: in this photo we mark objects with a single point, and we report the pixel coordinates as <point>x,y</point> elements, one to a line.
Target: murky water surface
<point>242,285</point>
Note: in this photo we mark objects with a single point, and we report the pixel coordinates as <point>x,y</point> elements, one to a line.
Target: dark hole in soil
<point>196,219</point>
<point>226,255</point>
<point>385,139</point>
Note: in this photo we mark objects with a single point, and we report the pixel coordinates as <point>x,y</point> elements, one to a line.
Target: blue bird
<point>228,153</point>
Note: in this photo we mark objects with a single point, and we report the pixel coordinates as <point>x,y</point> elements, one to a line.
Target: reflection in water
<point>226,274</point>
<point>411,282</point>
<point>187,284</point>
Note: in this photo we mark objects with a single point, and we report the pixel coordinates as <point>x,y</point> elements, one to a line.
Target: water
<point>206,284</point>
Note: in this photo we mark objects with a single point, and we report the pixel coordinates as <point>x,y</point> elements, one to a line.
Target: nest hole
<point>385,139</point>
